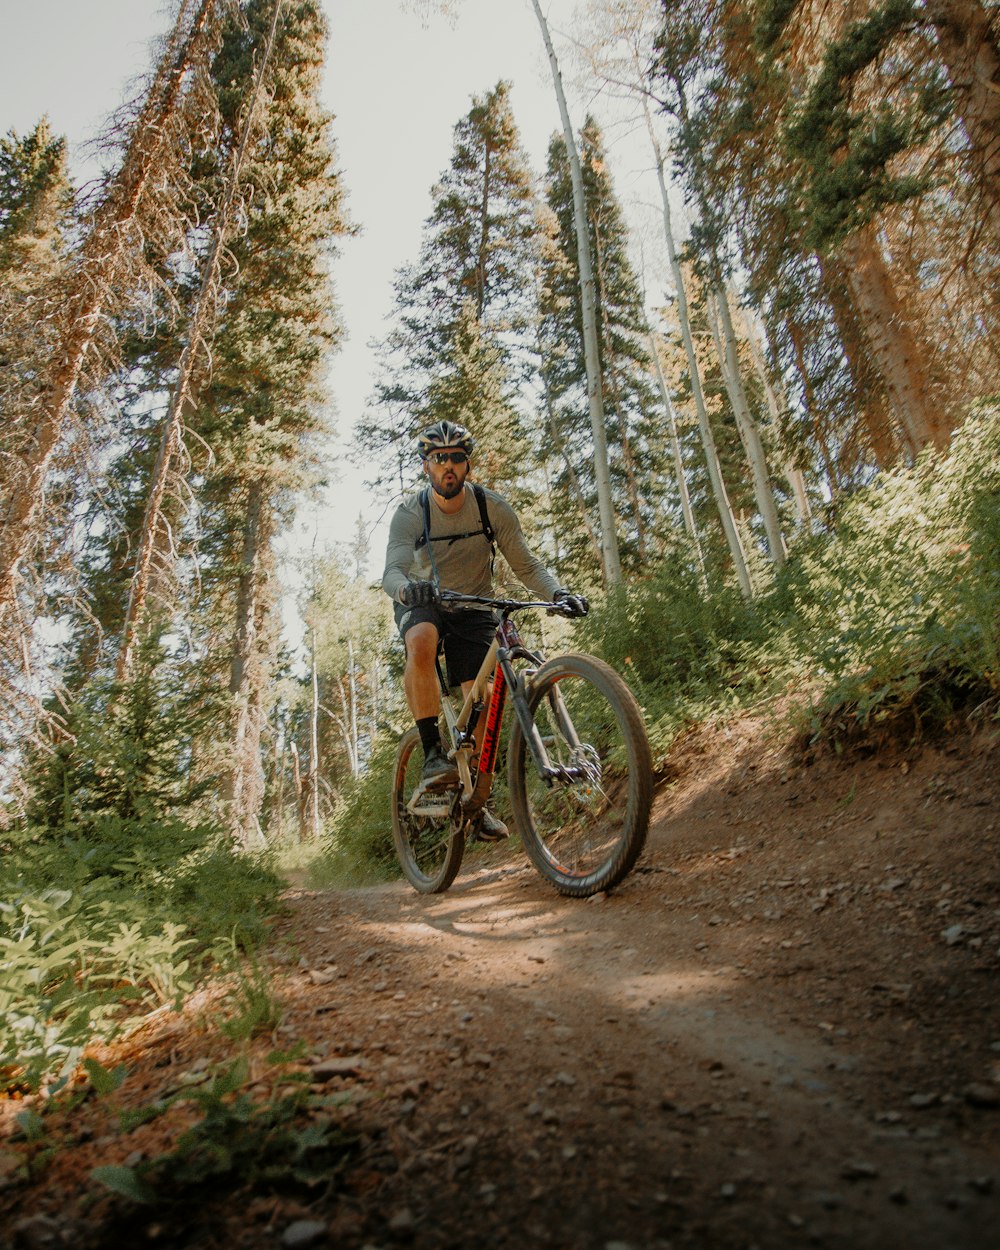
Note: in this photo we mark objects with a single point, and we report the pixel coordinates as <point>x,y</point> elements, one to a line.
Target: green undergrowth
<point>885,627</point>
<point>254,1131</point>
<point>357,847</point>
<point>289,1142</point>
<point>83,953</point>
<point>118,894</point>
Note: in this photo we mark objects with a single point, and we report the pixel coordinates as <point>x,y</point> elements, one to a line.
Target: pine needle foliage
<point>459,347</point>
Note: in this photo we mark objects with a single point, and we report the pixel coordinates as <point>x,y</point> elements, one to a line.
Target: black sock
<point>430,734</point>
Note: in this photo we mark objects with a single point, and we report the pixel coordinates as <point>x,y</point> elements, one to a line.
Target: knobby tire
<point>429,849</point>
<point>585,834</point>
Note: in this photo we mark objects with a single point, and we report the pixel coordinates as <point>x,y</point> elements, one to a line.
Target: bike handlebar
<point>505,605</point>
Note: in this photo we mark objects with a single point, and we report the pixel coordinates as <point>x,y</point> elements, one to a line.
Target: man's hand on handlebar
<point>571,605</point>
<point>419,595</point>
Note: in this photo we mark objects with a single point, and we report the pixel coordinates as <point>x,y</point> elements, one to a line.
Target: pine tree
<point>839,153</point>
<point>140,216</point>
<point>637,450</point>
<point>460,346</point>
<point>262,413</point>
<point>35,200</point>
<point>253,425</point>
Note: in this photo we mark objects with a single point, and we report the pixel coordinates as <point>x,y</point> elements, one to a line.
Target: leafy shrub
<point>118,890</point>
<point>289,1142</point>
<point>899,609</point>
<point>69,964</point>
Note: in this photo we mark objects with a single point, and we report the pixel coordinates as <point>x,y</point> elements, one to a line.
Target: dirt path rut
<point>782,1030</point>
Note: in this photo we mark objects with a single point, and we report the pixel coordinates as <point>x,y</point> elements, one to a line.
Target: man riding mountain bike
<point>445,537</point>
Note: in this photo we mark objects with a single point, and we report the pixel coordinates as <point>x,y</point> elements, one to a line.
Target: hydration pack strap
<point>427,538</point>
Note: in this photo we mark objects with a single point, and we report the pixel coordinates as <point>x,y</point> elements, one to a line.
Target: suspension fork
<point>533,739</point>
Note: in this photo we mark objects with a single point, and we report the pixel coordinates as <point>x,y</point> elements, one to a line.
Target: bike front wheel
<point>583,824</point>
<point>428,846</point>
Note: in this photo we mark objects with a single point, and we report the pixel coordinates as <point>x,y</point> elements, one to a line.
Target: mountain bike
<point>578,764</point>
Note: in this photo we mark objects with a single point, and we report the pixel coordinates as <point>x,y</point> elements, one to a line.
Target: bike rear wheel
<point>585,830</point>
<point>429,848</point>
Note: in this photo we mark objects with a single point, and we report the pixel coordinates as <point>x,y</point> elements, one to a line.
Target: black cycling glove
<point>418,595</point>
<point>572,605</point>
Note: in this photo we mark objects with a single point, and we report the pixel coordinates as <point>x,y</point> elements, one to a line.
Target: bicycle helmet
<point>444,434</point>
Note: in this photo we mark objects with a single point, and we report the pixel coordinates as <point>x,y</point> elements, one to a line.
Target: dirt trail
<point>783,1030</point>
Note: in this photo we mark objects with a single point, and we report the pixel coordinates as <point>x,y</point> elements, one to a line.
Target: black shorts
<point>467,636</point>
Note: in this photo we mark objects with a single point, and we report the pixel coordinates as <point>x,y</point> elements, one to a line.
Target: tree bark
<point>892,341</point>
<point>969,50</point>
<point>682,489</point>
<point>595,401</point>
<point>747,426</point>
<point>353,690</point>
<point>795,477</point>
<point>243,785</point>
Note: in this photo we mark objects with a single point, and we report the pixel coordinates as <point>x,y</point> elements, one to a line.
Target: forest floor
<point>782,1030</point>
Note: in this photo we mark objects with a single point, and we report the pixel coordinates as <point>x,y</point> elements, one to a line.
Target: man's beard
<point>449,492</point>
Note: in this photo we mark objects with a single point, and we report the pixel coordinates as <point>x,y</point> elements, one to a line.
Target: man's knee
<point>421,644</point>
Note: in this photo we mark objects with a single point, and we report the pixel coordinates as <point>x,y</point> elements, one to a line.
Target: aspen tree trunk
<point>375,698</point>
<point>300,806</point>
<point>113,229</point>
<point>970,53</point>
<point>343,722</point>
<point>313,778</point>
<point>181,397</point>
<point>353,690</point>
<point>892,341</point>
<point>795,477</point>
<point>733,541</point>
<point>682,488</point>
<point>609,536</point>
<point>747,426</point>
<point>243,786</point>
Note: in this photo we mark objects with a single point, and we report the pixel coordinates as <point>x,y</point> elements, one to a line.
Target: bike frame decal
<point>491,738</point>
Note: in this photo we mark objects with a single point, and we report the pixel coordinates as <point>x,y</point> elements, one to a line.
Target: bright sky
<point>397,81</point>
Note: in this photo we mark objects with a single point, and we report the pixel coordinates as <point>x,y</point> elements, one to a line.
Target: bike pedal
<point>429,801</point>
<point>425,808</point>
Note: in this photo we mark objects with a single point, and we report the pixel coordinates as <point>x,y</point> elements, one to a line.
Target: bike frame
<point>498,668</point>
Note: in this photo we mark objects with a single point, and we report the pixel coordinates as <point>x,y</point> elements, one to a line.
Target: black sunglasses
<point>448,457</point>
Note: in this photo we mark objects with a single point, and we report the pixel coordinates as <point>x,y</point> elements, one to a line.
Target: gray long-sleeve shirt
<point>464,564</point>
